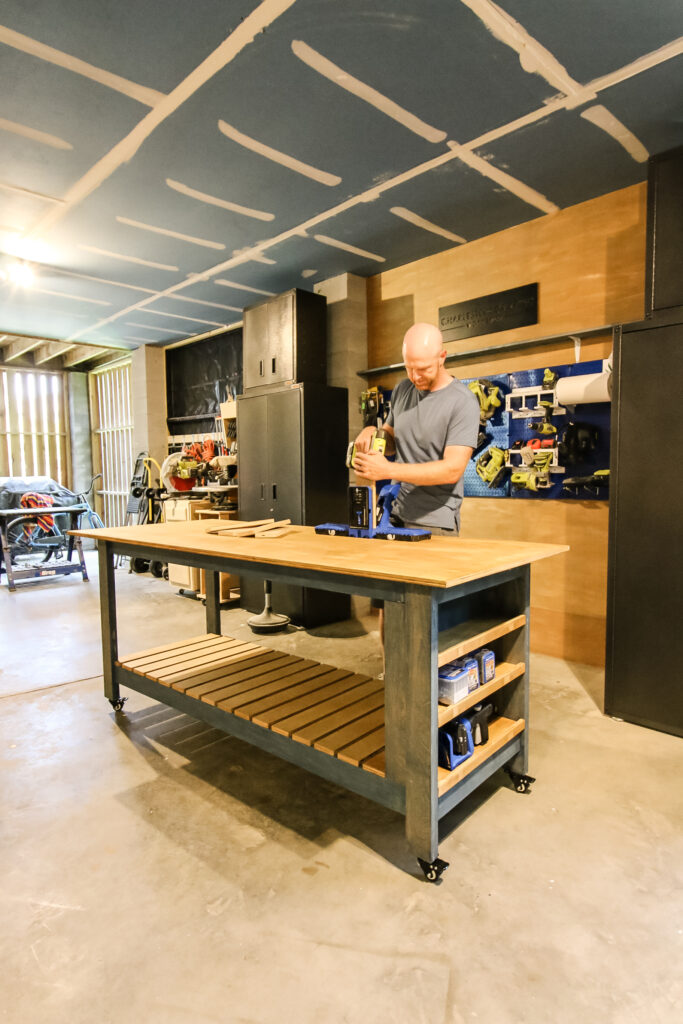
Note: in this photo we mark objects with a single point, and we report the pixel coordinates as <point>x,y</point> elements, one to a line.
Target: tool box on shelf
<point>459,737</point>
<point>486,660</point>
<point>458,678</point>
<point>455,743</point>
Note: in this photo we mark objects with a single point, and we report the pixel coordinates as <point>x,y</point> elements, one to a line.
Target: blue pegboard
<point>505,430</point>
<point>498,430</point>
<point>596,414</point>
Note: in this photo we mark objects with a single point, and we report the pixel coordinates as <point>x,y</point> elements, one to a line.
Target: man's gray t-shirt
<point>425,424</point>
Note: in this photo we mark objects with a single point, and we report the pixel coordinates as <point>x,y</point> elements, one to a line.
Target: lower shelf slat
<point>332,710</point>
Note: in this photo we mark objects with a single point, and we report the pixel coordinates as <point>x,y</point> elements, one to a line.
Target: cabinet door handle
<point>263,491</point>
<point>260,367</point>
<point>273,364</point>
<point>274,492</point>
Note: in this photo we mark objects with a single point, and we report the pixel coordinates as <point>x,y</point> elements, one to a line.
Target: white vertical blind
<point>33,424</point>
<point>112,440</point>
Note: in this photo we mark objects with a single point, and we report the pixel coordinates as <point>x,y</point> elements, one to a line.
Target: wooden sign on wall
<point>501,311</point>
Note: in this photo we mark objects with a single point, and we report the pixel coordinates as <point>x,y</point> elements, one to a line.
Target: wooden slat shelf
<point>505,673</point>
<point>334,710</point>
<point>475,633</point>
<point>501,731</point>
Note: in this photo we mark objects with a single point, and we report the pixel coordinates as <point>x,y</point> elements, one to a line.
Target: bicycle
<point>27,537</point>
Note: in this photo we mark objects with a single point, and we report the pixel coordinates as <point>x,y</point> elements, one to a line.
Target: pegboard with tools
<point>494,431</point>
<point>549,438</point>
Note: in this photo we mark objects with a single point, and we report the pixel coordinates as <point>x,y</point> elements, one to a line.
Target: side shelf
<point>501,731</point>
<point>505,673</point>
<point>469,636</point>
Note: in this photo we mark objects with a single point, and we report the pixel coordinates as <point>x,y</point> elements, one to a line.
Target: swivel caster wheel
<point>118,703</point>
<point>434,869</point>
<point>522,783</point>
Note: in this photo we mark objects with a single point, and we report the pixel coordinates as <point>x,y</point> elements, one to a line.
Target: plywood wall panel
<point>572,589</point>
<point>589,261</point>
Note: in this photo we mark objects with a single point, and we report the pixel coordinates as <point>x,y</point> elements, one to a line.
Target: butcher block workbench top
<point>437,562</point>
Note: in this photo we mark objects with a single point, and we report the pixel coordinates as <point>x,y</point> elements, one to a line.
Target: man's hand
<point>364,439</point>
<point>373,466</point>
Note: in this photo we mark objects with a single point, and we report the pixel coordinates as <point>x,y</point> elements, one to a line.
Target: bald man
<point>432,428</point>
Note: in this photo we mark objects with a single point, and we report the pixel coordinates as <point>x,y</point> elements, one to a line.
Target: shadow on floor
<point>249,796</point>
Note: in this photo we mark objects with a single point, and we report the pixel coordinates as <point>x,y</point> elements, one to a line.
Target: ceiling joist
<point>53,355</point>
<point>14,349</point>
<point>49,351</point>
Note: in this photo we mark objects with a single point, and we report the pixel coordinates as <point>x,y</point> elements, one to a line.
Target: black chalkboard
<point>198,378</point>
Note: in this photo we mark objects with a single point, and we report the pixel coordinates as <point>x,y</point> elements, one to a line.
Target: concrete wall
<point>347,338</point>
<point>79,431</point>
<point>148,377</point>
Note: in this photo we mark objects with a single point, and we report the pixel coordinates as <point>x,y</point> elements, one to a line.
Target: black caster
<point>118,703</point>
<point>433,870</point>
<point>522,783</point>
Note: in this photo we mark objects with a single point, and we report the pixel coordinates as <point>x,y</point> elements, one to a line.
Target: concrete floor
<point>156,871</point>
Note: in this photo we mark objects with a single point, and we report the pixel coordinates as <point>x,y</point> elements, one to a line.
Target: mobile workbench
<point>443,598</point>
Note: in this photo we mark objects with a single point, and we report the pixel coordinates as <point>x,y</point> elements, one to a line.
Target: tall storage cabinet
<point>645,575</point>
<point>285,340</point>
<point>292,439</point>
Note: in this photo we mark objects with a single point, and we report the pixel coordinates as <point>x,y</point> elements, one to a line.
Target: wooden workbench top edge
<point>346,556</point>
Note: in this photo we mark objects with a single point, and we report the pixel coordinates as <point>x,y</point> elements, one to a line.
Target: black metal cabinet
<point>645,572</point>
<point>663,278</point>
<point>285,340</point>
<point>291,466</point>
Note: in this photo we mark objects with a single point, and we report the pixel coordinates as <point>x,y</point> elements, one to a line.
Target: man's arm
<point>447,470</point>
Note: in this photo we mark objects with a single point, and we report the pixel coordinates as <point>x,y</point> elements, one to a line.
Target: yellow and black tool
<point>488,396</point>
<point>378,444</point>
<point>490,466</point>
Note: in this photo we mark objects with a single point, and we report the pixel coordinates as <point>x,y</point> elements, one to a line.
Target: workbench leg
<point>81,559</point>
<point>7,558</point>
<point>108,619</point>
<point>213,601</point>
<point>518,694</point>
<point>76,541</point>
<point>411,723</point>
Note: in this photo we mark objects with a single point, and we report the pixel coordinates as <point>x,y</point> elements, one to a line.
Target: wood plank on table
<point>205,662</point>
<point>350,713</point>
<point>329,684</point>
<point>138,663</point>
<point>274,694</point>
<point>349,690</point>
<point>376,765</point>
<point>244,667</point>
<point>358,752</point>
<point>129,659</point>
<point>306,688</point>
<point>182,656</point>
<point>335,741</point>
<point>260,685</point>
<point>245,679</point>
<point>171,670</point>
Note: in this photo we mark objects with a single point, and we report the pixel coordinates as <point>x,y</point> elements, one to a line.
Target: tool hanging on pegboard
<point>374,405</point>
<point>488,395</point>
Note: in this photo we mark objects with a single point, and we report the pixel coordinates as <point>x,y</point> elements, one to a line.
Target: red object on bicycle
<point>31,499</point>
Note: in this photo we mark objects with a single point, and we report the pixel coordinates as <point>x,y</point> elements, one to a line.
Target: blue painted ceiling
<point>165,164</point>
